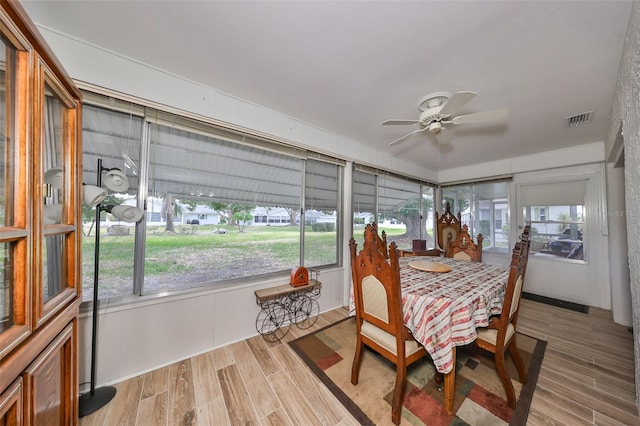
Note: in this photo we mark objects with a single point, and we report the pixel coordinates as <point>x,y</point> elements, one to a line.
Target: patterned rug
<point>479,399</point>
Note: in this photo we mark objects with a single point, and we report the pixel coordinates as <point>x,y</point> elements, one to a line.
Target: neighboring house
<point>203,214</point>
<point>315,216</point>
<point>270,216</point>
<point>550,220</point>
<point>366,217</point>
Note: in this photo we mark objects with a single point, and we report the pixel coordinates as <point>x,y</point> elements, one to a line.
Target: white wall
<point>626,110</point>
<point>582,154</point>
<point>618,253</point>
<point>137,338</point>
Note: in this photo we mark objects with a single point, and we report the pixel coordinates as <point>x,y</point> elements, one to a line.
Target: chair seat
<point>461,255</point>
<point>491,334</point>
<point>387,340</point>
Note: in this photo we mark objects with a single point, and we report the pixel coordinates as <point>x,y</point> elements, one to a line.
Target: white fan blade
<point>481,117</point>
<point>457,101</point>
<point>407,135</point>
<point>393,122</point>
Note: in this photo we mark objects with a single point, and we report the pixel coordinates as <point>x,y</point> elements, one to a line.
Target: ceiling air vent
<point>579,119</point>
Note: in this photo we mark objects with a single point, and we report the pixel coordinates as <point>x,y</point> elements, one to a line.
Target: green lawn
<point>195,255</point>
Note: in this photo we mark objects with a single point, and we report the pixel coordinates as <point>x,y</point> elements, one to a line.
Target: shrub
<point>323,227</point>
<point>485,227</point>
<point>118,230</point>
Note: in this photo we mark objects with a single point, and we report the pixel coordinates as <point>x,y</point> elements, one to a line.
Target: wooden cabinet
<point>11,412</point>
<point>50,379</point>
<point>40,186</point>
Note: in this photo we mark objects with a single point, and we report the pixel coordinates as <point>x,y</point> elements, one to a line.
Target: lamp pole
<point>95,398</point>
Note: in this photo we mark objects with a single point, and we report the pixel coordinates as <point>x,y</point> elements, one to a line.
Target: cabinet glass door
<point>54,178</point>
<point>55,286</point>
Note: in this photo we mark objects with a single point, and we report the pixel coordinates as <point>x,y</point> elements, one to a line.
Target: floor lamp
<point>115,181</point>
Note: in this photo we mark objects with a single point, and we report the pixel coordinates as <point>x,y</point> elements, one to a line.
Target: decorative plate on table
<point>425,265</point>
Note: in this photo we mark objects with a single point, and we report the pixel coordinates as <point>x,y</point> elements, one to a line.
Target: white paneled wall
<point>137,338</point>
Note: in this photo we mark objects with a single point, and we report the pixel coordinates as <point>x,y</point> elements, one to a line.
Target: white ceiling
<point>346,66</point>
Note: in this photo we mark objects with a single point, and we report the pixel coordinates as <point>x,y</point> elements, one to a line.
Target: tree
<point>564,219</point>
<point>89,213</point>
<point>461,205</point>
<point>167,212</point>
<point>190,204</point>
<point>221,208</point>
<point>241,218</point>
<point>410,215</point>
<point>293,213</point>
<point>227,210</point>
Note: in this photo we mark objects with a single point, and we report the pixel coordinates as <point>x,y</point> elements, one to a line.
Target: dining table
<point>444,301</point>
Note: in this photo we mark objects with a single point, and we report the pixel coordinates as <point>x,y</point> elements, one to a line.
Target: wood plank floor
<point>587,378</point>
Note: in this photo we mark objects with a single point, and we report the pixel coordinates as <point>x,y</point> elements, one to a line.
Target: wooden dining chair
<point>464,248</point>
<point>381,240</point>
<point>525,238</point>
<point>447,227</point>
<point>500,335</point>
<point>378,306</point>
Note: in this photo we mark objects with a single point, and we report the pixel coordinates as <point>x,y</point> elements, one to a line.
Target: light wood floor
<point>587,377</point>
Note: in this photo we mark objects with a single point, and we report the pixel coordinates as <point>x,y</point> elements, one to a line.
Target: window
<point>113,136</point>
<point>401,206</point>
<point>485,210</point>
<point>556,214</point>
<point>539,213</point>
<point>244,194</point>
<point>561,236</point>
<point>322,181</point>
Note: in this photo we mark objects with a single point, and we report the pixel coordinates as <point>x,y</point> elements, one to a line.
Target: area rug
<point>479,396</point>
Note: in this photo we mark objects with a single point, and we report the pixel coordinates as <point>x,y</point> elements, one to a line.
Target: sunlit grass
<point>193,250</point>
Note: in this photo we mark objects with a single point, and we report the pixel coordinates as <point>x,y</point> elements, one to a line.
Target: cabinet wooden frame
<point>18,91</point>
<point>11,412</point>
<point>52,401</point>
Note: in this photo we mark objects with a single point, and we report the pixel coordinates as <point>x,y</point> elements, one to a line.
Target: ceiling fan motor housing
<point>431,116</point>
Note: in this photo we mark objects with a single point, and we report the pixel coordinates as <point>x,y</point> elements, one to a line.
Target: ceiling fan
<point>437,113</point>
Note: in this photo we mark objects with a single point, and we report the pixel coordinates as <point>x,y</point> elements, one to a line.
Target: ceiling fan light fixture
<point>433,100</point>
<point>435,127</point>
